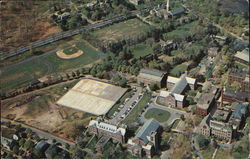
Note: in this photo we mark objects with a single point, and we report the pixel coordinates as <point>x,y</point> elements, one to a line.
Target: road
<point>117,119</point>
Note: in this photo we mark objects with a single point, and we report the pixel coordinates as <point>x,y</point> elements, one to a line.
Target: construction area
<point>92,96</point>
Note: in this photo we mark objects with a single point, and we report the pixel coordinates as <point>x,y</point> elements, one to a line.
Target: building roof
<point>205,121</point>
<point>240,110</point>
<point>221,115</point>
<point>205,100</point>
<point>242,96</point>
<point>243,55</point>
<point>177,11</point>
<point>177,97</point>
<point>238,73</point>
<point>151,75</point>
<point>107,127</point>
<point>180,86</point>
<point>148,127</point>
<point>220,125</point>
<point>171,79</point>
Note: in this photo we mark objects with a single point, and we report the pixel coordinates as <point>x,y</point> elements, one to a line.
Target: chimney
<point>167,6</point>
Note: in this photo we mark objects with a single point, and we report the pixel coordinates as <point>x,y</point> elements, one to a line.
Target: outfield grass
<point>157,114</point>
<point>137,109</point>
<point>141,50</point>
<point>178,70</point>
<point>123,30</point>
<point>121,101</point>
<point>17,75</point>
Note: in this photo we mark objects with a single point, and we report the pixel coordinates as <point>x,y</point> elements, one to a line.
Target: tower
<point>167,6</point>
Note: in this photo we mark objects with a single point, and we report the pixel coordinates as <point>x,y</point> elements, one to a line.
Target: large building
<point>145,143</point>
<point>229,96</point>
<point>205,104</point>
<point>149,77</point>
<point>218,129</point>
<point>92,96</point>
<point>242,56</point>
<point>175,97</point>
<point>101,128</point>
<point>238,116</point>
<point>240,76</point>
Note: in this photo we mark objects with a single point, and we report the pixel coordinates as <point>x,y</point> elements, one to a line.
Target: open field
<point>16,75</point>
<point>43,113</point>
<point>123,30</point>
<point>157,114</point>
<point>92,96</point>
<point>141,50</point>
<point>178,70</point>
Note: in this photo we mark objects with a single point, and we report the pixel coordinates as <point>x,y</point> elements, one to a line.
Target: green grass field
<point>175,52</point>
<point>141,50</point>
<point>50,63</point>
<point>178,70</point>
<point>157,114</point>
<point>123,30</point>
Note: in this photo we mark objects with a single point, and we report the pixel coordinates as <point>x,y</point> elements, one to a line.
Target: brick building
<point>205,104</point>
<point>145,143</point>
<point>231,96</point>
<point>100,128</point>
<point>175,97</point>
<point>149,76</point>
<point>241,77</point>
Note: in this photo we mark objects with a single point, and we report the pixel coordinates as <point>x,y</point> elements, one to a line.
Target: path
<point>214,154</point>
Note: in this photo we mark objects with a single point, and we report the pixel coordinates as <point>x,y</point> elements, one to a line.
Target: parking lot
<point>126,107</point>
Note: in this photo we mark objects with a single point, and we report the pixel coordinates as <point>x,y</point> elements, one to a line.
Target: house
<point>101,128</point>
<point>145,143</point>
<point>240,76</point>
<point>205,104</point>
<point>54,151</point>
<point>6,143</point>
<point>212,52</point>
<point>150,76</point>
<point>175,96</point>
<point>167,46</point>
<point>242,56</point>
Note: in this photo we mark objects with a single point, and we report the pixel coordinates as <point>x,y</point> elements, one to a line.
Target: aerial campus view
<point>124,79</point>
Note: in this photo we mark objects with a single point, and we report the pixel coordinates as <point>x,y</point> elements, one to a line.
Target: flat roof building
<point>151,76</point>
<point>242,56</point>
<point>92,96</point>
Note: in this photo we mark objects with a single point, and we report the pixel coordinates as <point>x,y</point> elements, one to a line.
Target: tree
<point>28,145</point>
<point>157,48</point>
<point>235,86</point>
<point>122,82</point>
<point>153,86</point>
<point>73,74</point>
<point>16,149</point>
<point>182,117</point>
<point>78,73</point>
<point>21,142</point>
<point>202,141</point>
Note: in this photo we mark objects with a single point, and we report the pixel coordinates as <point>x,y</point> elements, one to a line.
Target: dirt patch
<point>62,55</point>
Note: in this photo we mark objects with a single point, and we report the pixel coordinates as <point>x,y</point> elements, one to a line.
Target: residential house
<point>145,143</point>
<point>149,76</point>
<point>101,128</point>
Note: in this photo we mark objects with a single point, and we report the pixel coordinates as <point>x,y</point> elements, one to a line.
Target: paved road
<point>117,119</point>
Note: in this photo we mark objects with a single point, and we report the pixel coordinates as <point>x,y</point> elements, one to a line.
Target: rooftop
<point>242,96</point>
<point>205,100</point>
<point>177,11</point>
<point>152,75</point>
<point>221,115</point>
<point>92,96</point>
<point>148,127</point>
<point>240,110</point>
<point>243,55</point>
<point>180,86</point>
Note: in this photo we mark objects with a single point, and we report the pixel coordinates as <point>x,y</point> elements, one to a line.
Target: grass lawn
<point>92,143</point>
<point>175,52</point>
<point>17,75</point>
<point>123,30</point>
<point>38,105</point>
<point>157,114</point>
<point>141,50</point>
<point>175,124</point>
<point>178,70</point>
<point>137,109</point>
<point>116,106</point>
